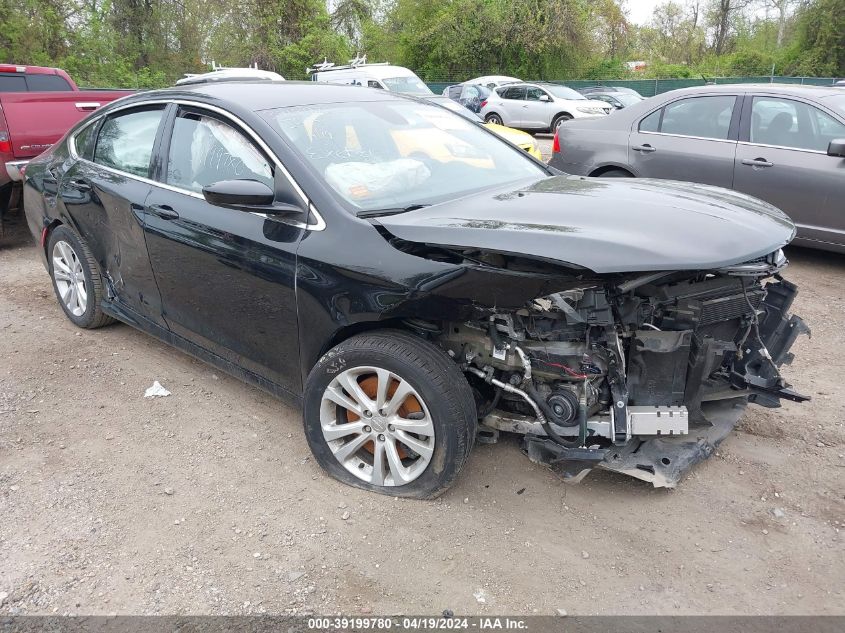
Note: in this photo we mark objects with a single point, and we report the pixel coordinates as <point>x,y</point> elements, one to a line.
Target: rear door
<point>782,159</point>
<point>691,139</point>
<point>104,193</point>
<point>226,276</point>
<point>513,98</point>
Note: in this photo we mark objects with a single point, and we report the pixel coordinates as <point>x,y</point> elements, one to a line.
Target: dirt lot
<point>207,501</point>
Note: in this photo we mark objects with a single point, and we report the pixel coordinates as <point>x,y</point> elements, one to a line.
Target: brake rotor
<point>369,386</point>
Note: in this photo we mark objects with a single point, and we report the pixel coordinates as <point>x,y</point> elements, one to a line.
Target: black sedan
<point>415,282</point>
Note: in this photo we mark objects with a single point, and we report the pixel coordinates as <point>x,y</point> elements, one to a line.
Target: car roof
<point>792,89</point>
<point>263,95</point>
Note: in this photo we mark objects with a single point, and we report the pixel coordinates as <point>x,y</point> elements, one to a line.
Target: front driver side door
<point>226,276</point>
<point>782,159</point>
<point>537,113</point>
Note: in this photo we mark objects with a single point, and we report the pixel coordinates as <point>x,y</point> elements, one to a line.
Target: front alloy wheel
<point>390,412</point>
<point>377,426</point>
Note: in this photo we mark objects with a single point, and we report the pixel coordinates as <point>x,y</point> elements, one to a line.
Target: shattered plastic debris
<point>156,391</point>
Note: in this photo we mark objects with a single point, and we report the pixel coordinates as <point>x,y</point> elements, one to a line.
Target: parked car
<point>617,99</point>
<point>591,90</point>
<point>522,140</point>
<point>37,106</point>
<point>538,106</point>
<point>278,232</point>
<point>471,96</point>
<point>493,81</point>
<point>381,76</point>
<point>841,82</point>
<point>783,144</point>
<point>229,74</point>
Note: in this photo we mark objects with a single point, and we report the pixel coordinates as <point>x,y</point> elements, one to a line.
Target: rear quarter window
<point>12,83</point>
<point>47,83</point>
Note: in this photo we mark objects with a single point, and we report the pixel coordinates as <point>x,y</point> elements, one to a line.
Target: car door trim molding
<point>318,225</point>
<point>698,138</point>
<point>791,149</point>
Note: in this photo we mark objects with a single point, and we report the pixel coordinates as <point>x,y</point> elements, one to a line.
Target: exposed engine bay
<point>643,375</point>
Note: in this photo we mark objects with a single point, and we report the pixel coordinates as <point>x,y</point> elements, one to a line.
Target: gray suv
<point>783,144</point>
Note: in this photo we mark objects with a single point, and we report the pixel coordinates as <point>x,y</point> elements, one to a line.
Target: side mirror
<point>836,148</point>
<point>246,195</point>
<point>545,98</point>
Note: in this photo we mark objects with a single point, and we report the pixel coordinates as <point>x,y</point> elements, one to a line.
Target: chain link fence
<point>651,87</point>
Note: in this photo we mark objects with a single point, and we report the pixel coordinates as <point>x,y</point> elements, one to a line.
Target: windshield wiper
<point>372,213</point>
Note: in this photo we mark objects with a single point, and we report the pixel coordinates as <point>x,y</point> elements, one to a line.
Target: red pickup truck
<point>37,106</point>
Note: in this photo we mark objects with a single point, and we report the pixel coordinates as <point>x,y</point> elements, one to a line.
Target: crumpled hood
<point>605,224</point>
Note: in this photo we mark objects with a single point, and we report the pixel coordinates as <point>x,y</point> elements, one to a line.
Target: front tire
<point>559,120</point>
<point>391,413</point>
<point>76,279</point>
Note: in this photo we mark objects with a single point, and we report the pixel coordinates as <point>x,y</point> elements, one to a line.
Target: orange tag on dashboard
<point>359,191</point>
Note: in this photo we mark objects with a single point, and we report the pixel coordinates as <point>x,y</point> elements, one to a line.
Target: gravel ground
<point>207,501</point>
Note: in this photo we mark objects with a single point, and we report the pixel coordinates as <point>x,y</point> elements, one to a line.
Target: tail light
<point>12,68</point>
<point>5,143</point>
<point>483,103</point>
<point>556,144</point>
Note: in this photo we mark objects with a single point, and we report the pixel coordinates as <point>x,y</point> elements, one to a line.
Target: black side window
<point>706,117</point>
<point>83,141</point>
<point>12,83</point>
<point>126,141</point>
<point>204,150</point>
<point>515,93</point>
<point>47,83</point>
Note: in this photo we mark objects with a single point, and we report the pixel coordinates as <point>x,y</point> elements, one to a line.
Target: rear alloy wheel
<point>76,279</point>
<point>391,413</point>
<point>493,118</point>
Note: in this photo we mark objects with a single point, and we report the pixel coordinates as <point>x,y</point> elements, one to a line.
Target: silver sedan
<point>782,144</point>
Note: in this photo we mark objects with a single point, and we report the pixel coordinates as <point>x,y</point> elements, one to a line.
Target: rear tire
<point>616,173</point>
<point>76,279</point>
<point>493,118</point>
<point>411,447</point>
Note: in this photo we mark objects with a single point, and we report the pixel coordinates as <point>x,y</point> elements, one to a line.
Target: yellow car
<point>523,140</point>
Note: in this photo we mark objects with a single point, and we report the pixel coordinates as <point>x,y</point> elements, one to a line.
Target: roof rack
<point>357,61</point>
<point>229,73</point>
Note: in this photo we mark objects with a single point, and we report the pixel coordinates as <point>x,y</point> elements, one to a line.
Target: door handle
<point>87,106</point>
<point>757,162</point>
<point>645,149</point>
<point>79,185</point>
<point>162,211</point>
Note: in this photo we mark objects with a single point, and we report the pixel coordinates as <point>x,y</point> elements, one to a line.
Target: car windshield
<point>387,156</point>
<point>562,92</point>
<point>837,102</point>
<point>409,85</point>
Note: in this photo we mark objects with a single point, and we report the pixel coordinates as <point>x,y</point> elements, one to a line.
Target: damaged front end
<point>643,375</point>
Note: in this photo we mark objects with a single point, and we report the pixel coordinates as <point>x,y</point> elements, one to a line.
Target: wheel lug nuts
<point>390,427</point>
<point>368,414</point>
<point>380,437</point>
<point>367,429</point>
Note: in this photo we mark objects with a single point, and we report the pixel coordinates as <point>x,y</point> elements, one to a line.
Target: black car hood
<point>606,225</point>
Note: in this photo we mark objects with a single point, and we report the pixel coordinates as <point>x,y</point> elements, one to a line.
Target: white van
<point>360,73</point>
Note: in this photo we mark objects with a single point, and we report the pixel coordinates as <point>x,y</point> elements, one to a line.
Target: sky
<point>639,11</point>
